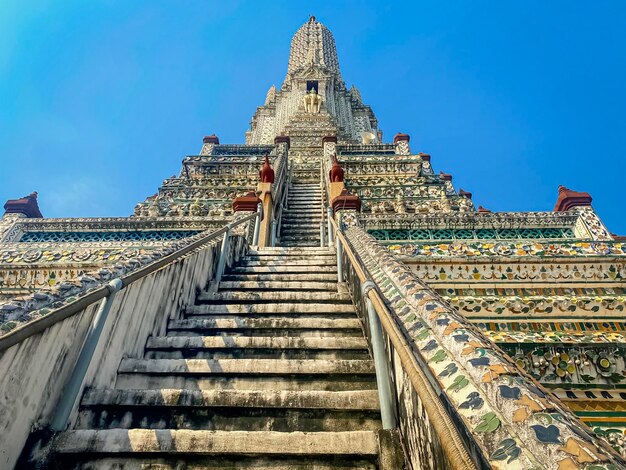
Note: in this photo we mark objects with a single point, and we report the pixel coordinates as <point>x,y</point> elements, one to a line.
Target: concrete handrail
<point>453,444</point>
<point>282,204</point>
<point>41,324</point>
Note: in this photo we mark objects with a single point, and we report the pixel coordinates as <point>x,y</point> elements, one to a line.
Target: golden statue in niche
<point>312,101</point>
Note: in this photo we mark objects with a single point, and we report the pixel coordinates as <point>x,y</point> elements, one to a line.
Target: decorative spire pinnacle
<point>313,44</point>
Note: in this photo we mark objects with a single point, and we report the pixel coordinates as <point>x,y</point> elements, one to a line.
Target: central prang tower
<point>313,101</point>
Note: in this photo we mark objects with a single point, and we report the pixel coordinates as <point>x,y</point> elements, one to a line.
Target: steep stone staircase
<point>272,371</point>
<point>301,221</point>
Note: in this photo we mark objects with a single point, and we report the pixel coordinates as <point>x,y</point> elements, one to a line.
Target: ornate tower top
<point>313,101</point>
<point>313,44</point>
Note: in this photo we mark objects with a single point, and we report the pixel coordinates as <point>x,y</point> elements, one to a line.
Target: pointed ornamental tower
<point>313,95</point>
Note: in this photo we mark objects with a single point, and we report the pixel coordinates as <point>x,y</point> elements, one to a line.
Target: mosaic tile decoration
<point>510,418</point>
<point>469,234</point>
<point>161,235</point>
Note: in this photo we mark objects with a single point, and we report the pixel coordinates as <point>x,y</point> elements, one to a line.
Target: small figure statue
<point>153,210</point>
<point>465,205</point>
<point>196,209</point>
<point>379,208</point>
<point>312,101</point>
<point>398,205</point>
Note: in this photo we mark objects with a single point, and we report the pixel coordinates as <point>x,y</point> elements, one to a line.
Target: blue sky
<point>100,100</point>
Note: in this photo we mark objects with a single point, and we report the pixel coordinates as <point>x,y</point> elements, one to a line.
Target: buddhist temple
<point>317,296</point>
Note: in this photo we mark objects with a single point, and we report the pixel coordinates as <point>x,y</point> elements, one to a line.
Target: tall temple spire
<point>313,44</point>
<point>313,95</point>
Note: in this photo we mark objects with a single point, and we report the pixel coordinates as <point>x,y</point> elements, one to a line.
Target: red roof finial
<point>26,206</point>
<point>568,199</point>
<point>211,139</point>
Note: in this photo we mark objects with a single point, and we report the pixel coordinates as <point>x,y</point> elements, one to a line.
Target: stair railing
<point>382,330</point>
<point>282,206</point>
<point>323,204</point>
<point>106,294</point>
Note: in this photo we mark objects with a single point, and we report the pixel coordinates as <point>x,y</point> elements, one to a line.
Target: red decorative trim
<point>424,156</point>
<point>26,205</point>
<point>467,194</point>
<point>329,138</point>
<point>282,139</point>
<point>444,176</point>
<point>399,137</point>
<point>211,139</point>
<point>482,209</point>
<point>336,172</point>
<point>568,199</point>
<point>247,203</point>
<point>266,174</point>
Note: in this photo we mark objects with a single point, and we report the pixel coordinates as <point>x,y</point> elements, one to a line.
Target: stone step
<point>234,411</point>
<point>302,243</point>
<point>304,210</point>
<point>300,232</point>
<point>302,218</point>
<point>227,419</point>
<point>274,296</point>
<point>246,382</point>
<point>256,308</point>
<point>247,367</point>
<point>284,323</point>
<point>226,462</point>
<point>306,241</point>
<point>281,277</point>
<point>309,221</point>
<point>295,216</point>
<point>278,250</point>
<point>324,255</point>
<point>277,285</point>
<point>289,262</point>
<point>253,342</point>
<point>300,224</point>
<point>178,442</point>
<point>283,269</point>
<point>249,353</point>
<point>297,230</point>
<point>258,347</point>
<point>310,400</point>
<point>287,225</point>
<point>297,204</point>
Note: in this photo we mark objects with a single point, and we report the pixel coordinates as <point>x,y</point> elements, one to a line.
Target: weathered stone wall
<point>34,371</point>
